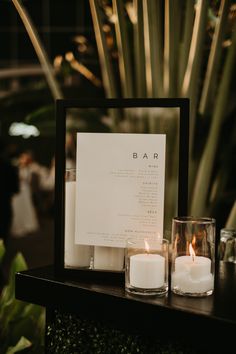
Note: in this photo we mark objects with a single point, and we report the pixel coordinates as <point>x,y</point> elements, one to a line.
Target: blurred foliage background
<point>179,49</point>
<point>111,48</point>
<point>22,324</point>
<point>155,48</point>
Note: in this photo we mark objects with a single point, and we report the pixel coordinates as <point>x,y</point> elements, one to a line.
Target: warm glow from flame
<point>147,248</point>
<point>191,251</point>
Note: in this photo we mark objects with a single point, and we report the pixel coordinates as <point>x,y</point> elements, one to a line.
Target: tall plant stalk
<point>171,41</point>
<point>39,49</point>
<point>190,83</point>
<point>125,67</point>
<point>169,51</point>
<point>201,189</point>
<point>186,40</point>
<point>139,53</point>
<point>214,60</point>
<point>104,58</point>
<point>153,46</point>
<point>103,53</point>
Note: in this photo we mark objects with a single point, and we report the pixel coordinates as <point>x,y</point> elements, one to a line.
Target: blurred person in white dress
<point>46,177</point>
<point>25,220</point>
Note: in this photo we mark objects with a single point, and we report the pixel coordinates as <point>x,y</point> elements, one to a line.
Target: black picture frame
<point>62,106</point>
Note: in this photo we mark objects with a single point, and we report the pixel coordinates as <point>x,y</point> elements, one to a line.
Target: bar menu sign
<point>120,180</point>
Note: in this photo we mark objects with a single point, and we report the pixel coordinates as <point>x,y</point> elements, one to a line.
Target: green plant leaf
<point>139,54</point>
<point>44,120</point>
<point>39,49</point>
<point>31,310</point>
<point>18,265</point>
<point>8,307</point>
<point>124,57</point>
<point>47,128</point>
<point>186,40</point>
<point>23,343</point>
<point>190,83</point>
<point>31,320</point>
<point>43,114</point>
<point>103,53</point>
<point>2,250</point>
<point>171,43</point>
<point>40,331</point>
<point>104,58</point>
<point>199,200</point>
<point>18,318</point>
<point>153,45</point>
<point>209,86</point>
<point>8,293</point>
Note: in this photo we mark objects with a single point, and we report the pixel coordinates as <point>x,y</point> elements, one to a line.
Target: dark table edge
<point>68,296</point>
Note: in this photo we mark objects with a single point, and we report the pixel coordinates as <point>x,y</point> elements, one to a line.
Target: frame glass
<point>133,116</point>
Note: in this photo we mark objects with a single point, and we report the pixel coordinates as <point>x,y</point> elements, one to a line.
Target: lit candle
<point>192,273</point>
<point>75,255</point>
<point>147,271</point>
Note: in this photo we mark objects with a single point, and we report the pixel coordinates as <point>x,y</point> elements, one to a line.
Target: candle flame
<point>191,251</point>
<point>147,248</point>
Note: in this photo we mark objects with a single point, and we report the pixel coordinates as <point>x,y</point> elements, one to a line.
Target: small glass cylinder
<point>193,256</point>
<point>75,256</point>
<point>227,247</point>
<point>146,267</point>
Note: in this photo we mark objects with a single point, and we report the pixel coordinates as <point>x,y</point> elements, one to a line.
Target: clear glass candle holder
<point>227,246</point>
<point>193,256</point>
<point>146,267</point>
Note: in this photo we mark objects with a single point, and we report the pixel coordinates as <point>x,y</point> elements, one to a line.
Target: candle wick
<point>193,257</point>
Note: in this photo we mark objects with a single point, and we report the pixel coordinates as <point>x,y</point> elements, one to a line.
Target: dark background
<point>57,23</point>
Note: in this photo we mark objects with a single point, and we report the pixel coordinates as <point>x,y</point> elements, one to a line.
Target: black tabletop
<point>110,302</point>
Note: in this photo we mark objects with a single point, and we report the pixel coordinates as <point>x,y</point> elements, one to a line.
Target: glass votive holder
<point>227,246</point>
<point>146,266</point>
<point>193,256</point>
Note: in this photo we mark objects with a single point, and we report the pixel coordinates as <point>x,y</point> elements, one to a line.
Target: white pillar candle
<point>192,274</point>
<point>147,271</point>
<point>108,258</point>
<point>75,255</point>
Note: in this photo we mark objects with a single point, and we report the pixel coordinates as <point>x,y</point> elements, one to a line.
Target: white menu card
<point>120,183</point>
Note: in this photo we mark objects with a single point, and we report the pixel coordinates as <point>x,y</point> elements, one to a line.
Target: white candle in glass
<point>192,273</point>
<point>108,258</point>
<point>147,271</point>
<point>75,255</point>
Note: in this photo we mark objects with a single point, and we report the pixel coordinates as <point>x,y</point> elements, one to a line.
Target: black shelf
<point>111,304</point>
